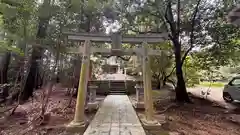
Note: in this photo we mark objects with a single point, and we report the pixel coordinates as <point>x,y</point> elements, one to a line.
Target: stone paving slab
<point>116,116</point>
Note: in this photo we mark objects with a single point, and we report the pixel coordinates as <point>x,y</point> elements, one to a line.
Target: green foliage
<point>8,10</point>
<point>191,72</point>
<point>217,40</point>
<point>20,25</point>
<point>223,47</point>
<point>4,46</point>
<point>212,84</point>
<point>161,66</point>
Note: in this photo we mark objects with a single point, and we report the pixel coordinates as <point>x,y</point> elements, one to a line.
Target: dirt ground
<point>201,118</point>
<point>24,121</point>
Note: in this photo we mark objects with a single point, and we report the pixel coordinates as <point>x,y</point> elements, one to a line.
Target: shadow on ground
<point>58,112</point>
<point>201,118</point>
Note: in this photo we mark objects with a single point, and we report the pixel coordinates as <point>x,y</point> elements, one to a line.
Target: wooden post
<point>79,119</point>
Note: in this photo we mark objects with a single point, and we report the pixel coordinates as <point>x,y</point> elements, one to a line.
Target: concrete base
<point>92,106</point>
<point>139,105</point>
<point>150,124</point>
<point>76,127</point>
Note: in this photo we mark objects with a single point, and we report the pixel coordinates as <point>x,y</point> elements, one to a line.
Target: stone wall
<point>103,86</point>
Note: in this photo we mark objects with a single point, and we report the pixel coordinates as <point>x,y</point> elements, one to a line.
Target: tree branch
<point>171,72</point>
<point>158,76</point>
<point>159,15</point>
<point>185,55</point>
<point>178,18</point>
<point>173,83</point>
<point>107,56</point>
<point>170,20</point>
<point>192,31</point>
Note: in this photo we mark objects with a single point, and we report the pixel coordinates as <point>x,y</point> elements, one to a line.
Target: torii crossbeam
<point>116,39</point>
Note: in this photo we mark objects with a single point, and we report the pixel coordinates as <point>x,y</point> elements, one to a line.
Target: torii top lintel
<point>117,38</point>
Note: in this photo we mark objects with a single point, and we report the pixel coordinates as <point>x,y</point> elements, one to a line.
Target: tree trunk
<point>76,73</point>
<point>165,81</point>
<point>38,80</point>
<point>41,79</point>
<point>5,61</point>
<point>181,91</point>
<point>30,77</point>
<point>158,84</point>
<point>57,63</point>
<point>164,78</point>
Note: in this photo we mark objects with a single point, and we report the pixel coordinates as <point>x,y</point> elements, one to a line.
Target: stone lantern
<point>139,95</point>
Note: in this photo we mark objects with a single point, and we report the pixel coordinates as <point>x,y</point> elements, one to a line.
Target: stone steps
<point>117,92</point>
<point>117,88</point>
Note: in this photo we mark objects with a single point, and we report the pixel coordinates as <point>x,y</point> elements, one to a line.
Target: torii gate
<point>116,39</point>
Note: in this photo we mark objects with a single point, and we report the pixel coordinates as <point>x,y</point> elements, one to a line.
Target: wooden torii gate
<point>116,39</point>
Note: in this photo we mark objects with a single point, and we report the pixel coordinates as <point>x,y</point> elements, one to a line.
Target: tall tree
<point>175,36</point>
<point>15,15</point>
<point>30,78</point>
<point>180,19</point>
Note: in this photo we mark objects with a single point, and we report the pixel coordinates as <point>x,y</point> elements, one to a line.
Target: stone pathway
<point>116,116</point>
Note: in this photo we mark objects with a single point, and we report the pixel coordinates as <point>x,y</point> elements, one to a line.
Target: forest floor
<point>59,113</point>
<point>203,117</point>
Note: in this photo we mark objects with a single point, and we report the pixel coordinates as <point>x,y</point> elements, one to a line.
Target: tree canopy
<point>200,37</point>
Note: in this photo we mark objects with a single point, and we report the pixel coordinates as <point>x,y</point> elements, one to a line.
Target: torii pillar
<point>79,117</point>
<point>147,83</point>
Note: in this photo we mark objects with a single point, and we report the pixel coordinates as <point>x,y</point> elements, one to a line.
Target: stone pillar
<point>138,87</point>
<point>139,92</point>
<point>119,69</point>
<point>149,90</point>
<point>125,78</point>
<point>148,102</point>
<point>79,118</point>
<point>92,103</point>
<point>92,93</point>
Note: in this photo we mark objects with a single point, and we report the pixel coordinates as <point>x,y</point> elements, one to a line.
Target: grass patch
<point>156,93</point>
<point>213,84</point>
